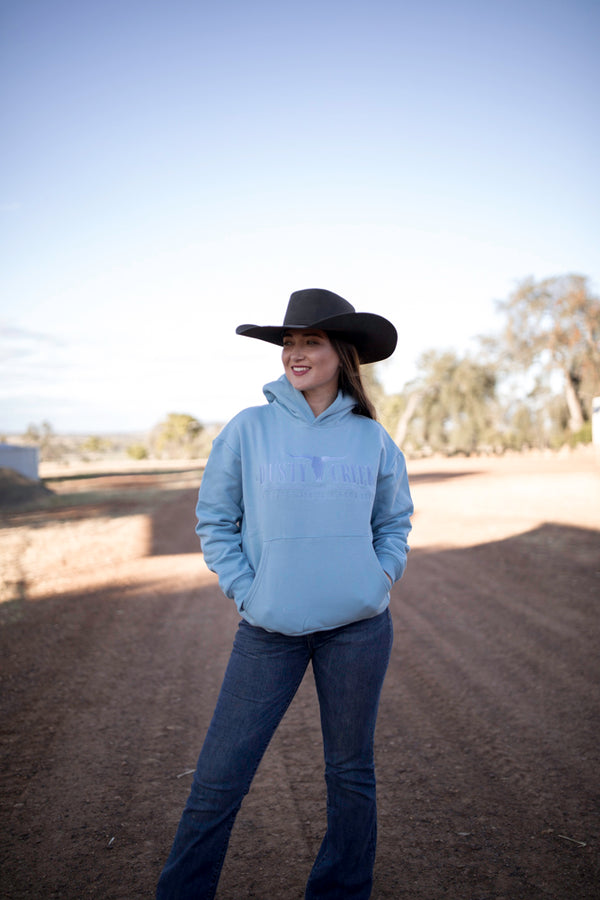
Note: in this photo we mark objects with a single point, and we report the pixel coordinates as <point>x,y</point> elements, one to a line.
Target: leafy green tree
<point>554,326</point>
<point>523,428</point>
<point>451,407</point>
<point>540,420</point>
<point>179,436</point>
<point>95,444</point>
<point>137,451</point>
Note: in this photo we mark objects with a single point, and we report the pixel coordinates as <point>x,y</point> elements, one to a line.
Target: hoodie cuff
<point>240,588</point>
<point>391,567</point>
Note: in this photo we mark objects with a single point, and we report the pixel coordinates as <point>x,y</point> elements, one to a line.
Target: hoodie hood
<point>294,403</point>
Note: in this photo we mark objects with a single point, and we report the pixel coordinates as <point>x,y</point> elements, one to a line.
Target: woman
<point>303,512</point>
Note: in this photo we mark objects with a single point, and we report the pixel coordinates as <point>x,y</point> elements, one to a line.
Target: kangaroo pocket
<point>316,583</point>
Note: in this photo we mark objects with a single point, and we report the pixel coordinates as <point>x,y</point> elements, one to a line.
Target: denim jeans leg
<point>262,677</point>
<point>349,666</point>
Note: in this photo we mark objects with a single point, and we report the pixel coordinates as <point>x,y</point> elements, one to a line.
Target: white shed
<point>21,459</point>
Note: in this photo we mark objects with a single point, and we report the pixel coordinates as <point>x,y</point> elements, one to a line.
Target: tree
<point>137,451</point>
<point>43,437</point>
<point>95,444</point>
<point>178,436</point>
<point>451,406</point>
<point>554,325</point>
<point>40,435</point>
<point>373,385</point>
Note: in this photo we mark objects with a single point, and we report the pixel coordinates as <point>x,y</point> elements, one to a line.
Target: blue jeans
<point>263,675</point>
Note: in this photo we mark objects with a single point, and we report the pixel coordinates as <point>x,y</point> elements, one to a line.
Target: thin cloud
<point>14,333</point>
<point>19,343</point>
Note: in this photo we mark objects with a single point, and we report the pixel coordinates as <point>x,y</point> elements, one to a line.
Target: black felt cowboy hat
<point>373,336</point>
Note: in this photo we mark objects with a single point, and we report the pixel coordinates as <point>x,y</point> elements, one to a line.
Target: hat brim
<point>374,337</point>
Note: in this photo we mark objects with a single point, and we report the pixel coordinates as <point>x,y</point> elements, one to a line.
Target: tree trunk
<point>576,417</point>
<point>406,416</point>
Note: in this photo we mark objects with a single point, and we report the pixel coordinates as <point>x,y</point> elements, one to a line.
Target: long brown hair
<point>350,381</point>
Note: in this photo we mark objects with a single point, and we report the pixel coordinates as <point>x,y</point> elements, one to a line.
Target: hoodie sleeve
<point>392,510</point>
<point>220,511</point>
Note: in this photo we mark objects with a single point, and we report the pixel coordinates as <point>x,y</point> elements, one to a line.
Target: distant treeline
<point>529,386</point>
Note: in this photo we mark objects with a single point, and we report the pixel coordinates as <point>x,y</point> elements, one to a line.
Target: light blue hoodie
<point>302,516</point>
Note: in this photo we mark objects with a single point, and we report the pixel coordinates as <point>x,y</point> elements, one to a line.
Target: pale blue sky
<point>171,169</point>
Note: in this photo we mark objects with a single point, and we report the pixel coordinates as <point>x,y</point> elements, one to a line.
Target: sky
<point>170,169</point>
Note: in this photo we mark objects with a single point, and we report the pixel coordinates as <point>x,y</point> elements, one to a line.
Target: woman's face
<point>310,362</point>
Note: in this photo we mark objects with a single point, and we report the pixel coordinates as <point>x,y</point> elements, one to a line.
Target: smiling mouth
<point>300,370</point>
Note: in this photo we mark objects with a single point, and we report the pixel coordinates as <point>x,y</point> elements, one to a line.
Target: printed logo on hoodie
<point>316,470</point>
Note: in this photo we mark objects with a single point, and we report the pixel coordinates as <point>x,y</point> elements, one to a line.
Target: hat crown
<point>312,305</point>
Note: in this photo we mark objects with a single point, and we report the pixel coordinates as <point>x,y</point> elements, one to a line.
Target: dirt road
<point>488,736</point>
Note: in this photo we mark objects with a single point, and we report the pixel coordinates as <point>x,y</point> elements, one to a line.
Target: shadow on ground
<point>488,760</point>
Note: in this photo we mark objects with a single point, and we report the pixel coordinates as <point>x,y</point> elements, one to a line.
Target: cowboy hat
<point>373,336</point>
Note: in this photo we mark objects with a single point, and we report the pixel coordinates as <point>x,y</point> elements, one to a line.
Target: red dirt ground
<point>488,737</point>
